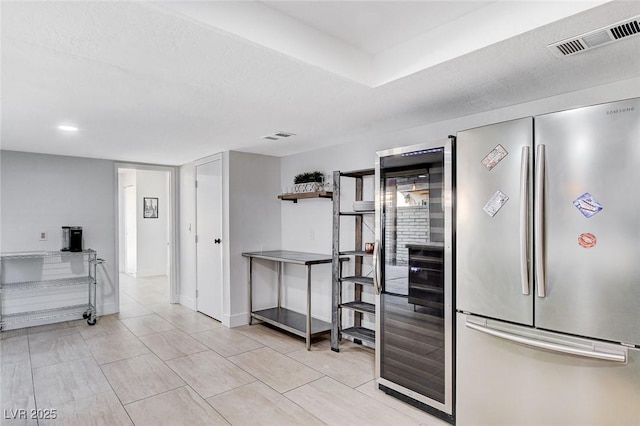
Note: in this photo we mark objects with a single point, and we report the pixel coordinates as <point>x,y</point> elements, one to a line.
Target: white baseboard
<point>236,320</point>
<point>108,309</point>
<point>143,273</point>
<point>188,302</point>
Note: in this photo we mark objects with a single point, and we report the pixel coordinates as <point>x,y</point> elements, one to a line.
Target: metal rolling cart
<point>27,275</point>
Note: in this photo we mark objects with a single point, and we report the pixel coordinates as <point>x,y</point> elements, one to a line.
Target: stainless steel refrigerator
<point>413,265</point>
<point>548,269</point>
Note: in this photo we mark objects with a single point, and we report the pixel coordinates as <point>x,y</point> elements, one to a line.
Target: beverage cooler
<point>413,266</point>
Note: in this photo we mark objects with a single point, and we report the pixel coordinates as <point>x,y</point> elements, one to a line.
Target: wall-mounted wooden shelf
<point>302,195</point>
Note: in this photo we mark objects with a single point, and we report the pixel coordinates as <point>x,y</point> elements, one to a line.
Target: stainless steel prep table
<point>293,322</point>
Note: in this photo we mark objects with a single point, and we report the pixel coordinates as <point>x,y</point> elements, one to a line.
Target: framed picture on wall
<point>150,208</point>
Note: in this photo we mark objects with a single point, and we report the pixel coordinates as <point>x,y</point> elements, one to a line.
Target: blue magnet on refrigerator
<point>587,205</point>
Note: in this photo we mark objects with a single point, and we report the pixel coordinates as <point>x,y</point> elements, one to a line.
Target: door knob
<point>217,241</point>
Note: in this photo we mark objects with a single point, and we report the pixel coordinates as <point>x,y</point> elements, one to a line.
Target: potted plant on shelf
<point>308,182</point>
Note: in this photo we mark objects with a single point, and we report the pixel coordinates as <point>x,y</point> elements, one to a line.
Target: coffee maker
<point>75,238</point>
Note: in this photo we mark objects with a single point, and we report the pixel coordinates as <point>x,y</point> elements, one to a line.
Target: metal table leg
<point>308,307</point>
<point>280,272</point>
<point>250,290</point>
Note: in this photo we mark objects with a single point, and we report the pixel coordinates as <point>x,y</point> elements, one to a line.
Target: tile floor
<point>161,364</point>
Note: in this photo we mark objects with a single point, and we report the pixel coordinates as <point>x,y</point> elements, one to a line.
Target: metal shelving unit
<point>48,262</point>
<point>357,332</point>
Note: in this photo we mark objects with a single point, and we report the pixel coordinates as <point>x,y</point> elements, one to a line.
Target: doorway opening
<point>146,226</point>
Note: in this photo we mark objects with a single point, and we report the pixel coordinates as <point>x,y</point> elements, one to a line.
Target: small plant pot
<point>308,187</point>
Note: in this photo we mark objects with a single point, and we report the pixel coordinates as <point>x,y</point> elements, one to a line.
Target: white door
<point>209,238</point>
<point>130,225</point>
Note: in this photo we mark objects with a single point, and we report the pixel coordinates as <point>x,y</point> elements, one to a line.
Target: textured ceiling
<point>376,42</point>
<point>378,25</point>
<point>147,84</point>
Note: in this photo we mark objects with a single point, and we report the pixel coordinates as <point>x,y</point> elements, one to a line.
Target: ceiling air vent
<point>599,37</point>
<point>571,47</point>
<point>278,135</point>
<point>283,134</point>
<point>625,30</point>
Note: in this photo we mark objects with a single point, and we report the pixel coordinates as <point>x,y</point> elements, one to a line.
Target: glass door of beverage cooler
<point>414,356</point>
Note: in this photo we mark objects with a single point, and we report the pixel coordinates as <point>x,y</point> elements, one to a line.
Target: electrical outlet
<point>312,235</point>
<point>43,236</point>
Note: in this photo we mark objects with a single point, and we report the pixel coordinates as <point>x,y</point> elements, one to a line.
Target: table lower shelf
<point>365,335</point>
<point>291,321</point>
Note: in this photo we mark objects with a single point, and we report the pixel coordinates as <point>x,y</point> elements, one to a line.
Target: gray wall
<point>251,222</point>
<point>254,225</point>
<point>44,192</point>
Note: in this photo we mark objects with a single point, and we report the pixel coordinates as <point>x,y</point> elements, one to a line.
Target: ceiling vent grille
<point>278,135</point>
<point>571,47</point>
<point>283,134</point>
<point>599,37</point>
<point>625,30</point>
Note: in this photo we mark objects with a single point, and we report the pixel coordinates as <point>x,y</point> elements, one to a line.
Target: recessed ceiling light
<point>68,128</point>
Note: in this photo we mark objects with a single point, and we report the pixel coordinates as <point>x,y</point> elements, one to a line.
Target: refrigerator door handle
<point>376,268</point>
<point>539,220</point>
<point>554,347</point>
<point>524,220</point>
